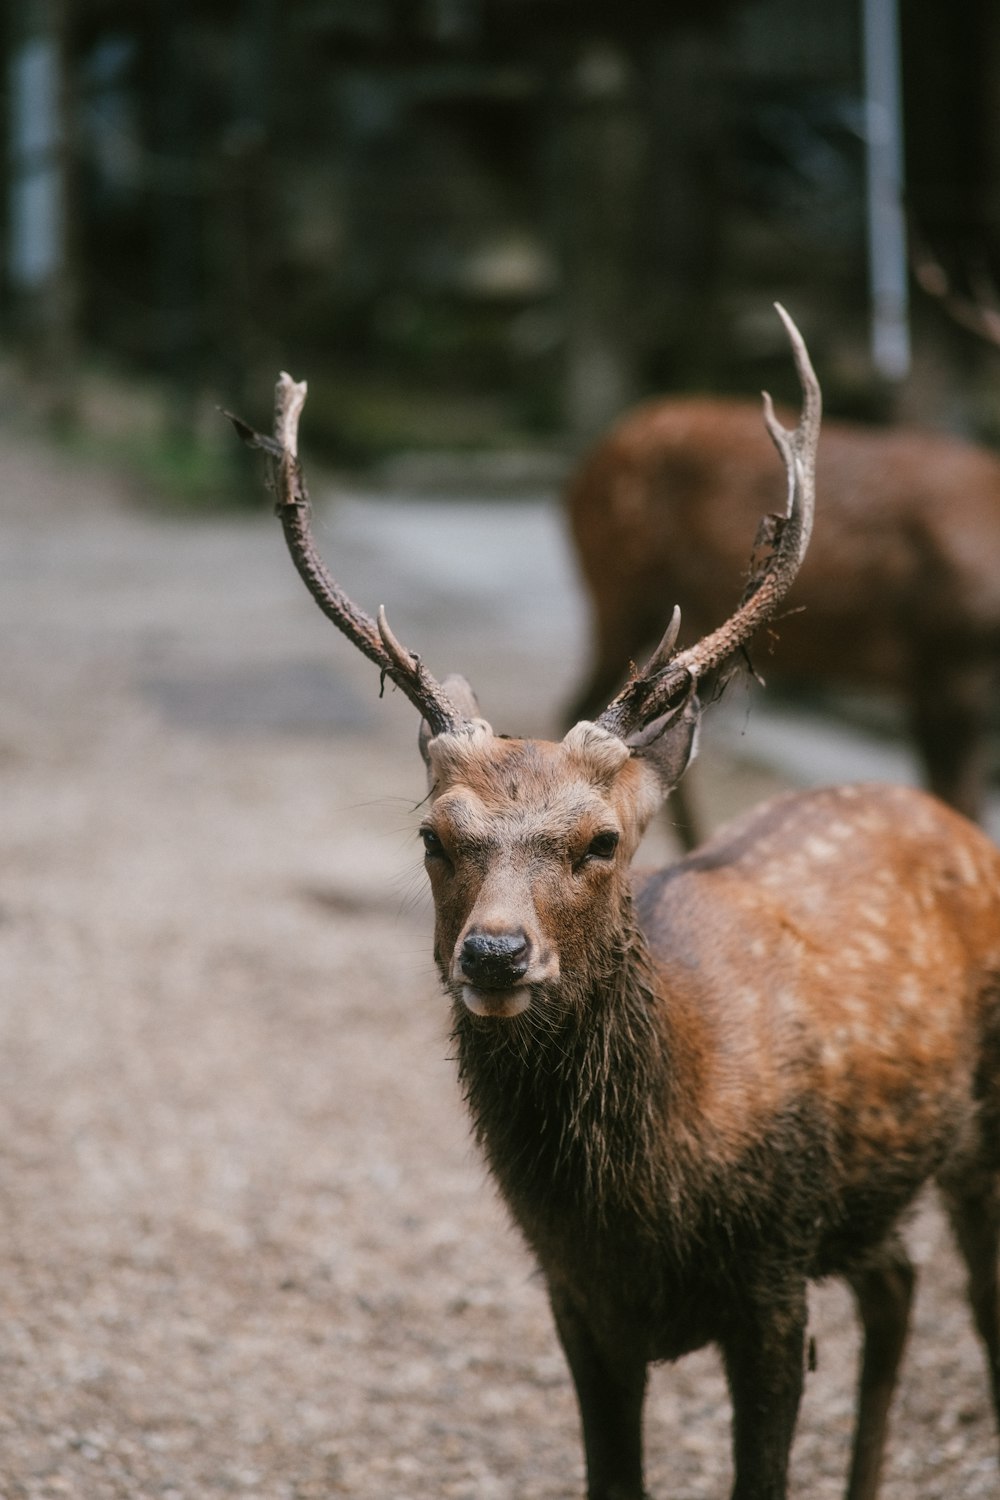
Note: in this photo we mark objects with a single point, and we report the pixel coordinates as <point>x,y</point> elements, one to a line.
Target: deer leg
<point>610,1397</point>
<point>682,815</point>
<point>949,723</point>
<point>883,1289</point>
<point>627,624</point>
<point>601,685</point>
<point>975,1218</point>
<point>765,1360</point>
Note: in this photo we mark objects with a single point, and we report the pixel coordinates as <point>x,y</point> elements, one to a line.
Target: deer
<point>905,565</point>
<point>702,1087</point>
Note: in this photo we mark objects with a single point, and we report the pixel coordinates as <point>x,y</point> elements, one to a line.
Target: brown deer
<point>697,1089</point>
<point>900,591</point>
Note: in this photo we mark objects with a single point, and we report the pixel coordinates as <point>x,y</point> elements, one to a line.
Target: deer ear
<point>462,697</point>
<point>670,743</point>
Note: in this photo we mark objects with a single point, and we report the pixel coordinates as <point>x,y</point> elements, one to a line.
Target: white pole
<point>35,201</point>
<point>887,257</point>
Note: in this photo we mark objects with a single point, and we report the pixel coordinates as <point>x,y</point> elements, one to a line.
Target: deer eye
<point>433,847</point>
<point>602,846</point>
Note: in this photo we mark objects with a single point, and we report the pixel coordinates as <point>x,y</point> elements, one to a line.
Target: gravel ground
<point>247,1249</point>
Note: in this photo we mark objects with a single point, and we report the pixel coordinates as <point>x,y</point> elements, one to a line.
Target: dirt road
<point>247,1249</point>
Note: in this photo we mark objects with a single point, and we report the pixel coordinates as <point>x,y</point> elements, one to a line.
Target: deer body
<point>772,1066</point>
<point>900,590</point>
<point>731,1081</point>
<point>700,1088</point>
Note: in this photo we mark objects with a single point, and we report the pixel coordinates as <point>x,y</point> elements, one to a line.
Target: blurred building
<point>474,220</point>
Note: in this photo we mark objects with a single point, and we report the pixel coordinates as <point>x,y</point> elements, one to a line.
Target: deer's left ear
<point>461,696</point>
<point>670,743</point>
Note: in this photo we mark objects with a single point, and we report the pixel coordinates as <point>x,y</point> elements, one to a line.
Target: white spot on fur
<point>911,991</point>
<point>820,849</point>
<point>873,947</point>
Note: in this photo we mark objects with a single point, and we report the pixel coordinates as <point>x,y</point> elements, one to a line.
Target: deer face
<point>527,846</point>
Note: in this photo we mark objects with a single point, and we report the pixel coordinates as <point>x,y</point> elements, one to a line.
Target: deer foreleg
<point>610,1397</point>
<point>765,1357</point>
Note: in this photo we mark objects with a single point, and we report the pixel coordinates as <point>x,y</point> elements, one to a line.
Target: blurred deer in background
<point>700,1088</point>
<point>900,591</point>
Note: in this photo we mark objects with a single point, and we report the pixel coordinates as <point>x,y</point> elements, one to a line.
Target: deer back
<point>906,545</point>
<point>844,943</point>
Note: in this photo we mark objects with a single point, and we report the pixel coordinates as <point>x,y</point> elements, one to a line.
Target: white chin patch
<point>504,1003</point>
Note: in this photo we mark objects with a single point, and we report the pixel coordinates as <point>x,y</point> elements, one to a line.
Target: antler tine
<point>665,650</point>
<point>293,509</point>
<point>666,681</point>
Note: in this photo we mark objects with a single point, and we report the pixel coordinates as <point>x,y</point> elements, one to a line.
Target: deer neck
<point>570,1100</point>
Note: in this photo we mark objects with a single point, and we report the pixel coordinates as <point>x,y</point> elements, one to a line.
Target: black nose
<point>495,960</point>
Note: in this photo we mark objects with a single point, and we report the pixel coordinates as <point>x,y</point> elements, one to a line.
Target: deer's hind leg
<point>883,1290</point>
<point>973,1204</point>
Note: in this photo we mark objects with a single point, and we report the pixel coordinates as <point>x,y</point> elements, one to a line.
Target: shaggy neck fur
<point>568,1100</point>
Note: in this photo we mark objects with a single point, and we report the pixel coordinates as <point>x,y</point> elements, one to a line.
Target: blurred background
<point>485,224</point>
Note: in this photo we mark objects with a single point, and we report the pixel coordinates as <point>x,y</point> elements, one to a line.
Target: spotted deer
<point>900,593</point>
<point>700,1088</point>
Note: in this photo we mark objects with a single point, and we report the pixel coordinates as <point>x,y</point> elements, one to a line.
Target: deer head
<point>528,843</point>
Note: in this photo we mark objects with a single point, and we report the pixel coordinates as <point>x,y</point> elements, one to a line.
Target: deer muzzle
<point>495,961</point>
<point>496,970</point>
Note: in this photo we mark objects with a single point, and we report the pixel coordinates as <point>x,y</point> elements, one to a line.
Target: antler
<point>293,508</point>
<point>667,680</point>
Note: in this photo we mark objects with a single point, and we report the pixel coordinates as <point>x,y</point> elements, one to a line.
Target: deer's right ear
<point>670,743</point>
<point>464,700</point>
